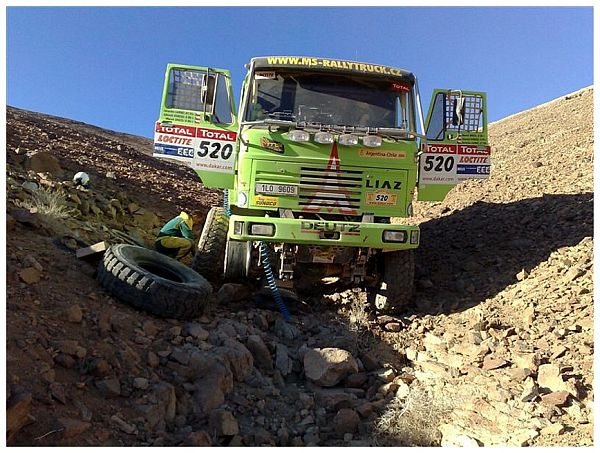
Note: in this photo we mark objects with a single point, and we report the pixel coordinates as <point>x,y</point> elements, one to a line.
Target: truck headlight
<point>414,237</point>
<point>348,139</point>
<point>298,135</point>
<point>262,229</point>
<point>238,227</point>
<point>324,137</point>
<point>371,141</point>
<point>394,236</point>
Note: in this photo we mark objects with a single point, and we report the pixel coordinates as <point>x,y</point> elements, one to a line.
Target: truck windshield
<point>330,99</point>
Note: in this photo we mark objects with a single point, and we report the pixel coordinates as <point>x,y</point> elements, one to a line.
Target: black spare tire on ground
<point>150,281</point>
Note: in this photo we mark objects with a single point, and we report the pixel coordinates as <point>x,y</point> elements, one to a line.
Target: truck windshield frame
<point>330,99</point>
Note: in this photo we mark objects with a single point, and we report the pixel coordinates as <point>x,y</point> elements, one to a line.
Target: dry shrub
<point>414,421</point>
<point>47,202</point>
<point>358,317</point>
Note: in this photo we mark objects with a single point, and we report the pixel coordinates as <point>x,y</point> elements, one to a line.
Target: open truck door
<point>197,123</point>
<point>457,143</point>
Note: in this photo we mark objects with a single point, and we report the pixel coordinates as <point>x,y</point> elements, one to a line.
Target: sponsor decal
<point>451,164</point>
<point>175,140</point>
<point>400,87</point>
<point>383,184</point>
<point>265,75</point>
<point>473,170</point>
<point>271,202</point>
<point>178,151</point>
<point>441,149</point>
<point>381,199</point>
<point>272,145</point>
<point>176,129</point>
<point>202,148</point>
<point>216,134</point>
<point>334,64</point>
<point>378,153</point>
<point>474,150</point>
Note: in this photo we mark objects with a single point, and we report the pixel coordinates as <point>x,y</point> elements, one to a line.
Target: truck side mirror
<point>458,111</point>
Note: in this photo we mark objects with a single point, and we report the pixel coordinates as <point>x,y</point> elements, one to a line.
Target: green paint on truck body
<point>332,193</point>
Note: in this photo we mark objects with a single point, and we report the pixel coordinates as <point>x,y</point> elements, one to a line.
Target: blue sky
<point>105,65</point>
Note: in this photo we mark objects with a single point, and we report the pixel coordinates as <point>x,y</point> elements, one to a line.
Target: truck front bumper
<point>324,233</point>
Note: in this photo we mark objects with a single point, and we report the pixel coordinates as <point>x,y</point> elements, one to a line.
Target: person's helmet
<point>81,179</point>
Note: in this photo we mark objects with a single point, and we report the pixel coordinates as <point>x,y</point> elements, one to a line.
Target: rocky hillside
<point>497,349</point>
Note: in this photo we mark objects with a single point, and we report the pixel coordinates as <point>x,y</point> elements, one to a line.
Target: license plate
<point>277,189</point>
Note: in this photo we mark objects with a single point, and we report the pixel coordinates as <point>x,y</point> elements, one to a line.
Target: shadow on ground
<point>475,253</point>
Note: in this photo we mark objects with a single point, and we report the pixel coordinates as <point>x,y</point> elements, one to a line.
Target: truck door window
<point>436,127</point>
<point>222,114</point>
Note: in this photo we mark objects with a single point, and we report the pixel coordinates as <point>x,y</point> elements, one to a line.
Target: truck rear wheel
<point>396,287</point>
<point>150,281</point>
<point>210,254</point>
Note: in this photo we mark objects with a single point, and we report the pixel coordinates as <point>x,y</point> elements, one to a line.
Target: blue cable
<point>266,264</point>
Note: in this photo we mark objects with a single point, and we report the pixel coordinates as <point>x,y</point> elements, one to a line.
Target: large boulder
<point>328,366</point>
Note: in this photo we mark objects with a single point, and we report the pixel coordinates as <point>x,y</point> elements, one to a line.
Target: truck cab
<point>320,162</point>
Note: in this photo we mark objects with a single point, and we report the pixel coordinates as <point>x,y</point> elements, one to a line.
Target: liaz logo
<point>383,184</point>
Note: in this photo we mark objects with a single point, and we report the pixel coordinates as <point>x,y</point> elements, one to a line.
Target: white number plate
<point>277,189</point>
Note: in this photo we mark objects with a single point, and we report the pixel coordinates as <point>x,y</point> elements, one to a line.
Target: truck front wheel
<point>396,286</point>
<point>209,257</point>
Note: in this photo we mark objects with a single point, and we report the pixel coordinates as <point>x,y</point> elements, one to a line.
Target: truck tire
<point>150,281</point>
<point>238,256</point>
<point>395,290</point>
<point>210,255</point>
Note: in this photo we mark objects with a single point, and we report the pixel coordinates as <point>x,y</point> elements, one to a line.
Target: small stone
<point>121,424</point>
<point>549,377</point>
<point>393,327</point>
<point>198,439</point>
<point>522,275</point>
<point>30,275</point>
<point>260,352</point>
<point>346,421</point>
<point>558,351</point>
<point>72,427</point>
<point>328,366</point>
<point>99,367</point>
<point>356,380</point>
<point>553,429</point>
<point>557,399</point>
<point>74,314</point>
<point>223,423</point>
<point>283,362</point>
<point>490,363</point>
<point>196,331</point>
<point>149,328</point>
<point>65,360</point>
<point>109,388</point>
<point>140,383</point>
<point>153,360</point>
<point>530,390</point>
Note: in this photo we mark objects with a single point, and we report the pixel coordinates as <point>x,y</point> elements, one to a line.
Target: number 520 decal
<point>215,150</point>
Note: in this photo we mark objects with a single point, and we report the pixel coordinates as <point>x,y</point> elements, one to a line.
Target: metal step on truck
<point>319,158</point>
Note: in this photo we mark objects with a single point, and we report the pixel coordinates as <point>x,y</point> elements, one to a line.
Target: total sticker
<point>271,202</point>
<point>382,199</point>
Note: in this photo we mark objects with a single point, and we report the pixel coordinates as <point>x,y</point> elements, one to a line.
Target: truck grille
<point>324,188</point>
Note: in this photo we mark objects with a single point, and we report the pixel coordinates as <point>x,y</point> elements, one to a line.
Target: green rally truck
<point>319,157</point>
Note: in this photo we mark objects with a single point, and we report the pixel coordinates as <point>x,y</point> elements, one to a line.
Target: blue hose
<point>226,206</point>
<point>266,264</point>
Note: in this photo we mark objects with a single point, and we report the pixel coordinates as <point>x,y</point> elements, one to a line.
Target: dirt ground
<point>497,348</point>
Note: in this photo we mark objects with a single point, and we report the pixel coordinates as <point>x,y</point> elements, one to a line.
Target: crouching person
<point>176,237</point>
